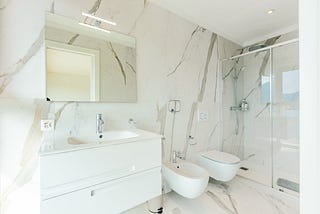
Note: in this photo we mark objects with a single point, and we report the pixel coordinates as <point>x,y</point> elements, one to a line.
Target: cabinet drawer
<point>105,163</point>
<point>110,197</point>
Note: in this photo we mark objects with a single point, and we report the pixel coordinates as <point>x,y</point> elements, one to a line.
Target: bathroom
<point>188,83</point>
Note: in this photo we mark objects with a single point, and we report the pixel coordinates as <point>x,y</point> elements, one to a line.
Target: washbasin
<point>104,137</point>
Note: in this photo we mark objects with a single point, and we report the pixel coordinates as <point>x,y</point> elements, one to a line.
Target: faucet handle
<point>132,121</point>
<point>177,154</point>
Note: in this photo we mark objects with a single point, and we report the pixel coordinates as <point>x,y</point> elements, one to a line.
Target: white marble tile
<point>235,197</point>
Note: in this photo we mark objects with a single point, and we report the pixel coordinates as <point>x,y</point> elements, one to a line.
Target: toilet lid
<point>221,157</point>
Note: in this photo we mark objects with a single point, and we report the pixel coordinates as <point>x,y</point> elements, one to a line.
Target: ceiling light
<point>99,19</point>
<point>271,11</point>
<point>94,27</point>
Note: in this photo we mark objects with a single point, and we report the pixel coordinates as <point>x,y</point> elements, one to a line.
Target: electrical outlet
<point>203,116</point>
<point>47,125</point>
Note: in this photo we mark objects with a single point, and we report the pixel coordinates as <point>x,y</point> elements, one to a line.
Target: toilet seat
<point>221,157</point>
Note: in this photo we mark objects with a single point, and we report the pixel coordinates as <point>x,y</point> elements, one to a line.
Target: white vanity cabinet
<point>106,179</point>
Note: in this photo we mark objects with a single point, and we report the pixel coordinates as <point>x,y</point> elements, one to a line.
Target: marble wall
<point>176,59</point>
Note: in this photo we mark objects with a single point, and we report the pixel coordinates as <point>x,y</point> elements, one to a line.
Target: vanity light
<point>271,11</point>
<point>94,27</point>
<point>99,19</point>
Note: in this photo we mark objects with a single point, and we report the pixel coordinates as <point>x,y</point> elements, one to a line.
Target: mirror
<point>86,62</point>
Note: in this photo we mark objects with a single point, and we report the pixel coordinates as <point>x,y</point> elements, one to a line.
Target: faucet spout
<point>99,124</point>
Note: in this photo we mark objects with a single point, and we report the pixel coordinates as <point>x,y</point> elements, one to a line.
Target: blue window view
<point>265,89</point>
<point>290,85</point>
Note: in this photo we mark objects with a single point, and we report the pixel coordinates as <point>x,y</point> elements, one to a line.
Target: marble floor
<point>240,196</point>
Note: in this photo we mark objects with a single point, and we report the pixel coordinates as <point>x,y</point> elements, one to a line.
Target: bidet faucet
<point>99,124</point>
<point>176,155</point>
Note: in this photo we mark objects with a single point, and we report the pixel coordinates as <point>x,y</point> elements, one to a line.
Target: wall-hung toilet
<point>220,165</point>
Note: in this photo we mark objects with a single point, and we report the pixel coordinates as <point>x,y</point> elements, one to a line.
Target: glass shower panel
<point>247,131</point>
<point>285,113</point>
<point>232,75</point>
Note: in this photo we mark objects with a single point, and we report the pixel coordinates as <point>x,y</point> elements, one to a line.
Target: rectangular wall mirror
<point>88,63</point>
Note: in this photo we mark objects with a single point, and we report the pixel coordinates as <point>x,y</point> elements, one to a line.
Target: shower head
<point>256,47</point>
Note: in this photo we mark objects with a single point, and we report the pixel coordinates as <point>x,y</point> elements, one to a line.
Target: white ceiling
<point>241,21</point>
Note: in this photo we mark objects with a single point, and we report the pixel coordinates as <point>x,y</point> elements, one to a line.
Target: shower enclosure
<point>260,114</point>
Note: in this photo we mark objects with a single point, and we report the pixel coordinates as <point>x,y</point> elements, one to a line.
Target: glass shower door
<point>285,112</point>
<point>247,132</point>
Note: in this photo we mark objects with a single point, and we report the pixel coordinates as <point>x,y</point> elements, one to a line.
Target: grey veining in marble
<point>93,10</point>
<point>119,62</point>
<point>212,132</point>
<point>217,72</point>
<point>235,63</point>
<point>206,69</point>
<point>3,4</point>
<point>145,5</point>
<point>201,92</point>
<point>57,115</point>
<point>176,211</point>
<point>52,8</point>
<point>73,39</point>
<point>29,158</point>
<point>183,56</point>
<point>95,7</point>
<point>6,78</point>
<point>219,202</point>
<point>262,110</point>
<point>225,188</point>
<point>250,92</point>
<point>266,58</point>
<point>131,68</point>
<point>194,107</point>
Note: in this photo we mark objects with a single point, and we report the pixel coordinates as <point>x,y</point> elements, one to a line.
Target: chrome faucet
<point>176,155</point>
<point>99,124</point>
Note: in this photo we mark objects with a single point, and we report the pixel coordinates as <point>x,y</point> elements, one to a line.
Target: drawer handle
<point>93,192</point>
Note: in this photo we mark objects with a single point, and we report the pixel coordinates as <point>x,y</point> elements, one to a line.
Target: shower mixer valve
<point>243,106</point>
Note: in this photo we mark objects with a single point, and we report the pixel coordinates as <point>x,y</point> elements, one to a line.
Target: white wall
<point>309,22</point>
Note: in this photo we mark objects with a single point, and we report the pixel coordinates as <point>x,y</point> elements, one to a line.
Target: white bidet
<point>186,179</point>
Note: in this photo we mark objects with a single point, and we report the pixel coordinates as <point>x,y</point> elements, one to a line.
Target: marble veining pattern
<point>7,77</point>
<point>206,69</point>
<point>240,196</point>
<point>183,56</point>
<point>29,157</point>
<point>119,63</point>
<point>145,5</point>
<point>159,52</point>
<point>266,58</point>
<point>3,4</point>
<point>92,11</point>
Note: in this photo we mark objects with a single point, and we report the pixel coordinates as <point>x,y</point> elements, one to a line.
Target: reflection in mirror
<point>88,64</point>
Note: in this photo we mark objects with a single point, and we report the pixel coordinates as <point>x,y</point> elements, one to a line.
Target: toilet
<point>220,165</point>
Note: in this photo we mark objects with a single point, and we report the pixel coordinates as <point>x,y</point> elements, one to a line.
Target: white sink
<point>105,137</point>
